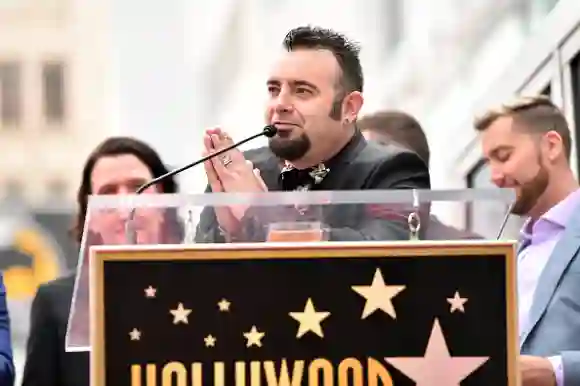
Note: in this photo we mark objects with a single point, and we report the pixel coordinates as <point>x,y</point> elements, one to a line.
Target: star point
<point>135,334</point>
<point>209,341</point>
<point>378,295</point>
<point>254,337</point>
<point>457,303</point>
<point>150,292</point>
<point>309,319</point>
<point>224,305</point>
<point>180,314</point>
<point>437,367</point>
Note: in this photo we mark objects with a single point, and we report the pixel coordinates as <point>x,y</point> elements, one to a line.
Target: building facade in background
<point>52,113</point>
<point>51,97</point>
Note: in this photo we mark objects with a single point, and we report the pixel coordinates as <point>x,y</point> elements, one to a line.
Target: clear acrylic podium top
<point>370,215</point>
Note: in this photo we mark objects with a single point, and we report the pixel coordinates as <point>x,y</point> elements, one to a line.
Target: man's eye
<point>503,157</point>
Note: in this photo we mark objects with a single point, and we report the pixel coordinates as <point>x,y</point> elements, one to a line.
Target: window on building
<point>53,85</point>
<point>485,217</point>
<point>10,94</point>
<point>547,91</point>
<point>575,71</point>
<point>57,190</point>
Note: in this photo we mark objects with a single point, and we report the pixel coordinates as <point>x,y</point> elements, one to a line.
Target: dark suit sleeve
<point>207,230</point>
<point>42,351</point>
<point>404,170</point>
<point>6,360</point>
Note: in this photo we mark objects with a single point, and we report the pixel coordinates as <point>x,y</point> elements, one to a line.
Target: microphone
<point>268,131</point>
<point>505,220</point>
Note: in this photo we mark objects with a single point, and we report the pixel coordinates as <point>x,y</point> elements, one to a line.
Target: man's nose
<point>497,178</point>
<point>283,102</point>
<point>124,212</point>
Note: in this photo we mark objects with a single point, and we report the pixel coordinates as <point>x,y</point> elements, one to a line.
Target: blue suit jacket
<point>6,361</point>
<point>554,327</point>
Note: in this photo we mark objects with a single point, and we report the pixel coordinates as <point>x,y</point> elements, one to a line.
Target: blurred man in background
<point>119,165</point>
<point>527,145</point>
<point>315,95</point>
<point>392,126</point>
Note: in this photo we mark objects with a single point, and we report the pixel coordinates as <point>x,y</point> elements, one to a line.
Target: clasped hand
<point>230,172</point>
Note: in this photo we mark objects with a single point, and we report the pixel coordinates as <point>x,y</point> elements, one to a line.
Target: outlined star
<point>378,295</point>
<point>150,292</point>
<point>135,334</point>
<point>437,367</point>
<point>254,337</point>
<point>457,303</point>
<point>209,341</point>
<point>309,320</point>
<point>224,305</point>
<point>180,314</point>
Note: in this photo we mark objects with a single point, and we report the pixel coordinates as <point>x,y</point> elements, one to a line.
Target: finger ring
<point>226,160</point>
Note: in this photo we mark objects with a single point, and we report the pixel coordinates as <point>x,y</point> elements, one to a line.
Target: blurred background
<point>75,71</point>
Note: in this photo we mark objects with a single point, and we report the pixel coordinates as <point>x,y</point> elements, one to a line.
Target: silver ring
<point>226,160</point>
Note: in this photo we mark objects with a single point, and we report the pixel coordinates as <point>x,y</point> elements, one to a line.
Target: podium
<point>312,288</point>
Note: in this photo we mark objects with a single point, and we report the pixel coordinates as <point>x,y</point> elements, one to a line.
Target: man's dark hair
<point>344,50</point>
<point>399,127</point>
<point>117,146</point>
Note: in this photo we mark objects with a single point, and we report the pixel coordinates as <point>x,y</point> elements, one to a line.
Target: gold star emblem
<point>135,334</point>
<point>378,295</point>
<point>457,303</point>
<point>309,320</point>
<point>254,337</point>
<point>209,341</point>
<point>180,314</point>
<point>224,305</point>
<point>150,292</point>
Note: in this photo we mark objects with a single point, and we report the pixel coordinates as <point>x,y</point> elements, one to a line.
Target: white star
<point>150,292</point>
<point>224,305</point>
<point>378,295</point>
<point>437,367</point>
<point>254,337</point>
<point>457,303</point>
<point>309,319</point>
<point>180,314</point>
<point>209,341</point>
<point>135,334</point>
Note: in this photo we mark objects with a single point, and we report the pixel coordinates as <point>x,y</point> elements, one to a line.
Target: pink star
<point>437,367</point>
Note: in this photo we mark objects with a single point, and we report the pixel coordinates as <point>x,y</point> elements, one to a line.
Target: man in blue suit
<point>528,146</point>
<point>6,362</point>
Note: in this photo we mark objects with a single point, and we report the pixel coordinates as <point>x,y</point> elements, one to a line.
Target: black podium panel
<point>425,314</point>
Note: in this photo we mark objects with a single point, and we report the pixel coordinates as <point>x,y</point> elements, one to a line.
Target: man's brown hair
<point>397,126</point>
<point>535,115</point>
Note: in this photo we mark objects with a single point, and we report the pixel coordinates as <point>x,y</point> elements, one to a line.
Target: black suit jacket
<point>47,362</point>
<point>360,165</point>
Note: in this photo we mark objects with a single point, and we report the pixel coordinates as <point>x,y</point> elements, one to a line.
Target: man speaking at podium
<point>315,95</point>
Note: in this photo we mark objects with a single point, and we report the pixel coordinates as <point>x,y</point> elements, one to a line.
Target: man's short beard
<point>290,149</point>
<point>531,191</point>
<point>294,149</point>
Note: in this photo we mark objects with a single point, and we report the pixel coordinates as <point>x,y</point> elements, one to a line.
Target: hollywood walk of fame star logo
<point>437,367</point>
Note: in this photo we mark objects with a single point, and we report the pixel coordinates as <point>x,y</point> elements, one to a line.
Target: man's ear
<point>553,145</point>
<point>351,106</point>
